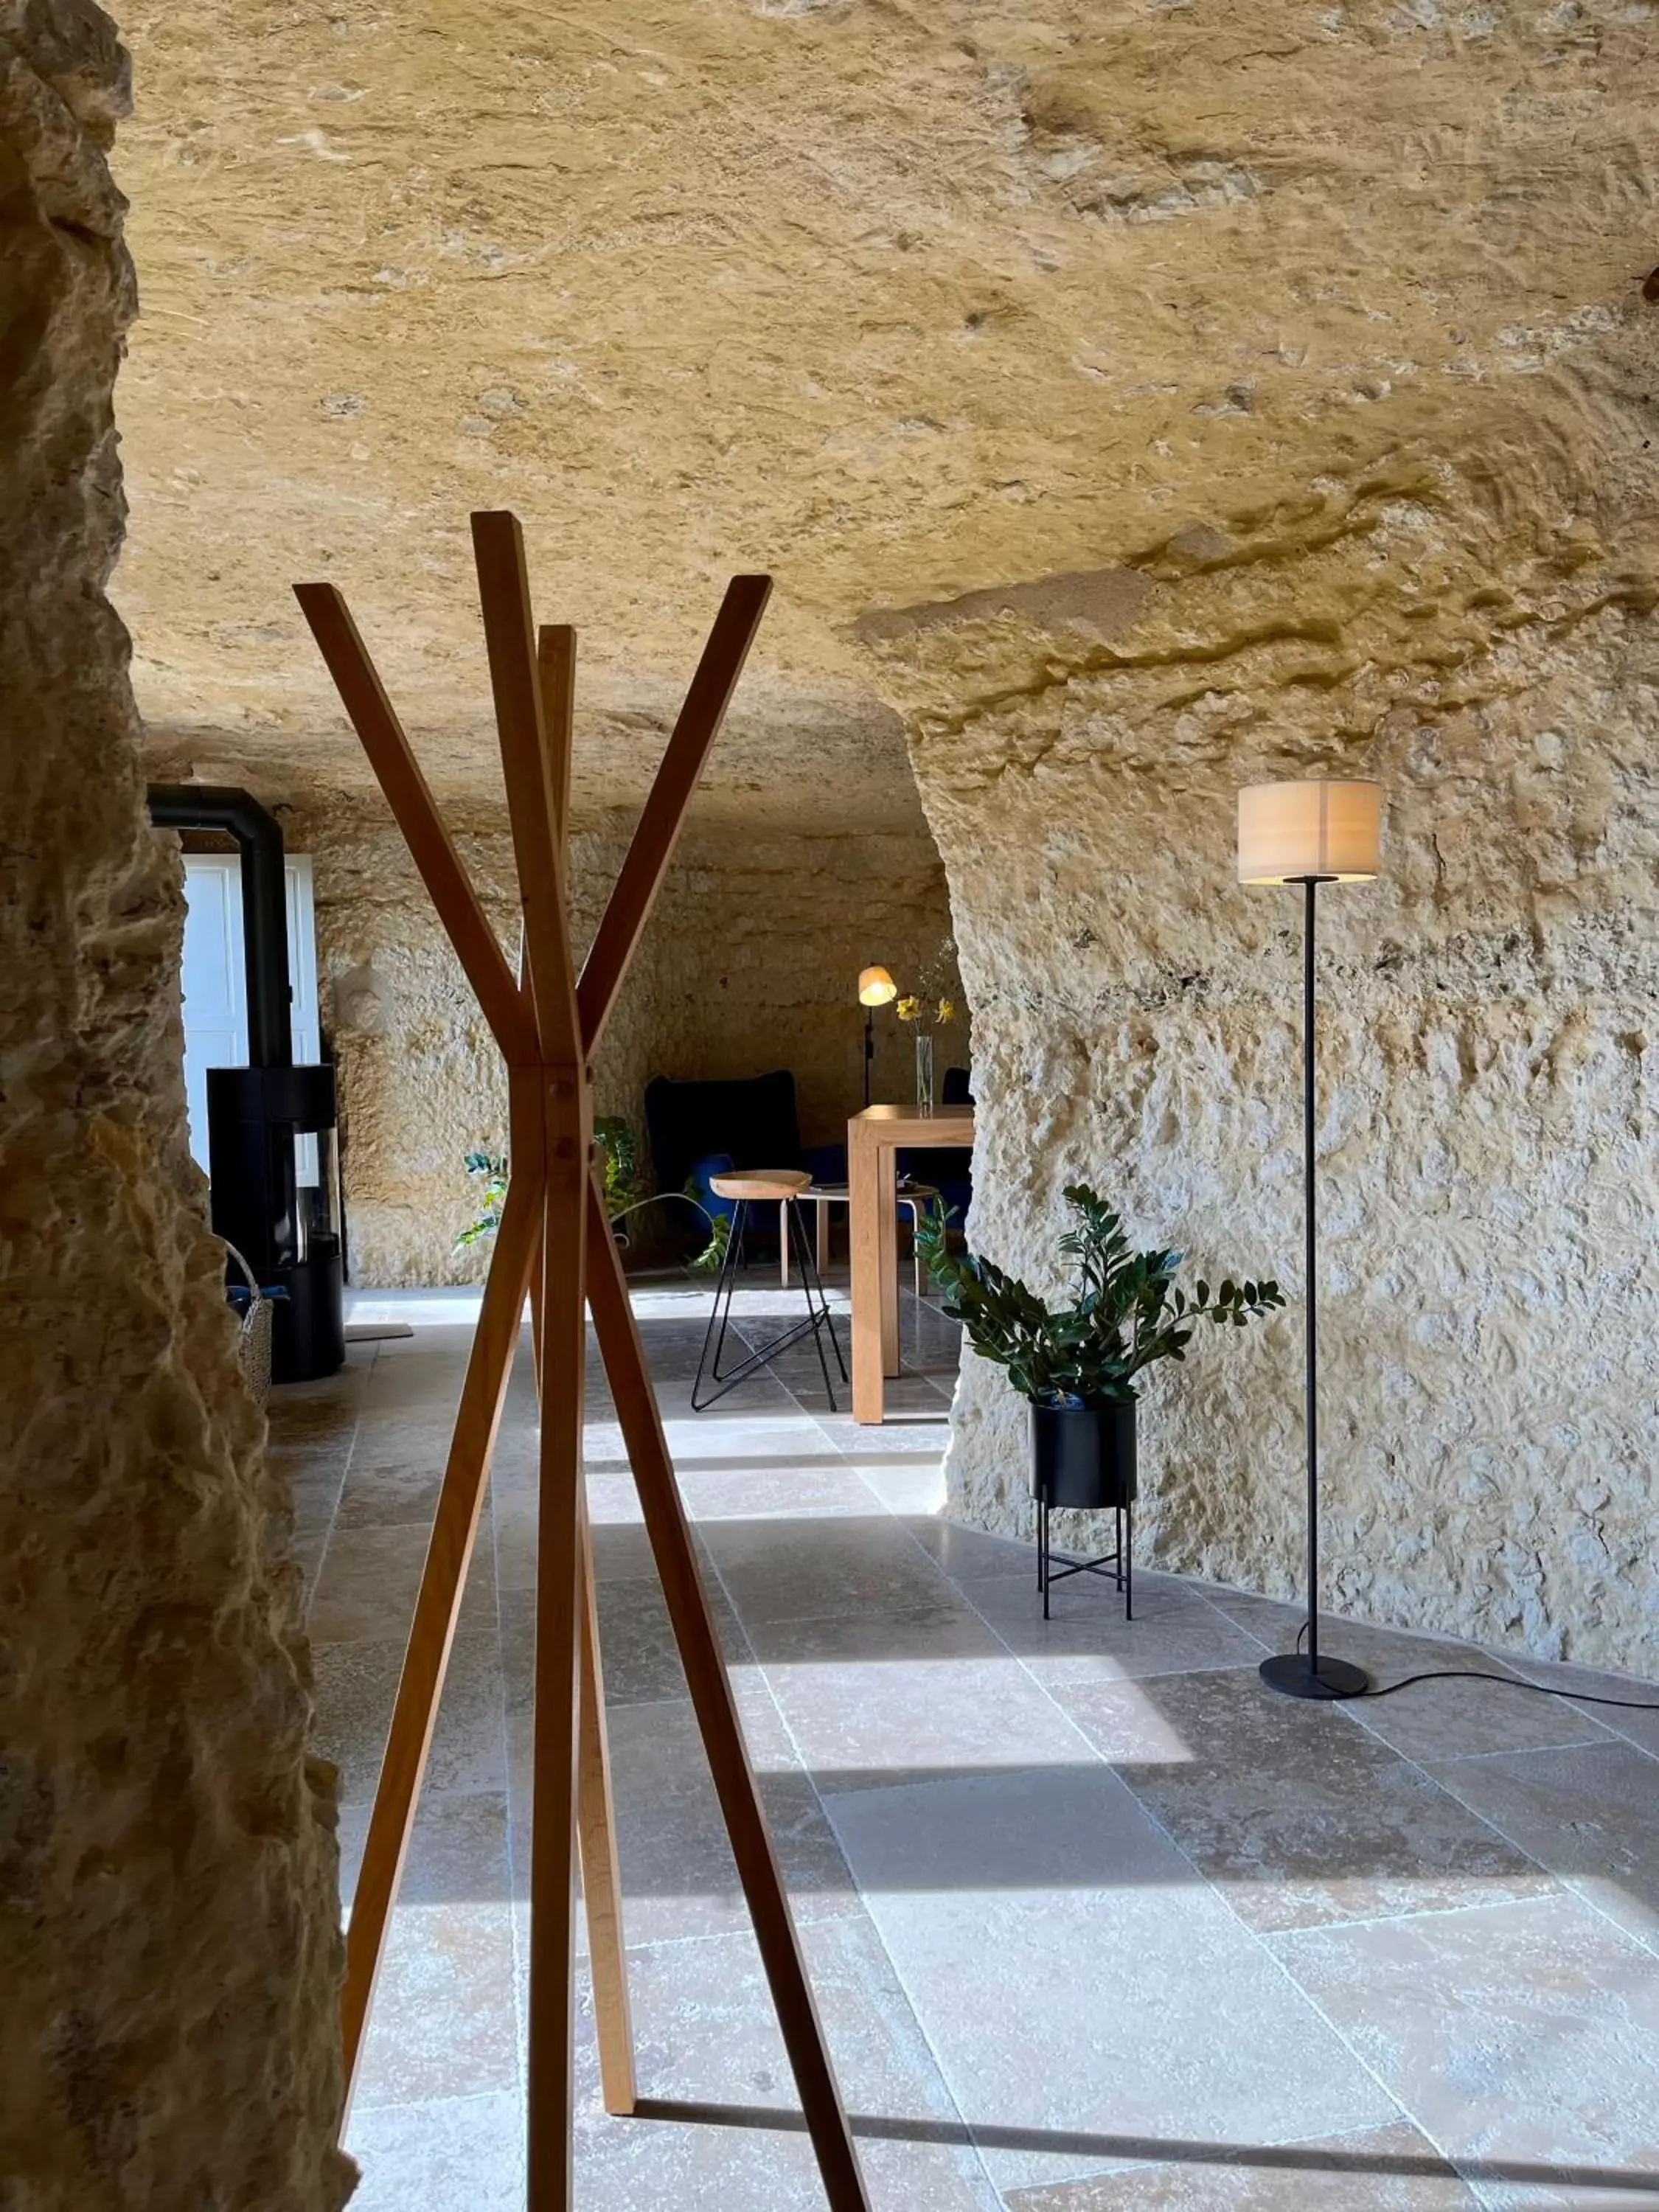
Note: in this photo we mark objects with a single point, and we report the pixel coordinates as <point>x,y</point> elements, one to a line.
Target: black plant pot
<point>1084,1455</point>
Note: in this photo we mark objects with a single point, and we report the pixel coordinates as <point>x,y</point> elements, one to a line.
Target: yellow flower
<point>908,1009</point>
<point>947,1010</point>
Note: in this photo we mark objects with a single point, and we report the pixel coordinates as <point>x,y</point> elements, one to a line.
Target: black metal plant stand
<point>1116,1566</point>
<point>1310,1672</point>
<point>819,1321</point>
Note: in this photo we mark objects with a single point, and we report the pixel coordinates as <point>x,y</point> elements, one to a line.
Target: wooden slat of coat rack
<point>438,1607</point>
<point>548,1032</point>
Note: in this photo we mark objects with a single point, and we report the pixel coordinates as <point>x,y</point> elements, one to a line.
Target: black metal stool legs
<point>818,1316</point>
<point>721,1314</point>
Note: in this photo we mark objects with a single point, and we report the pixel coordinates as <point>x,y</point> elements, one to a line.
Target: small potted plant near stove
<point>1078,1363</point>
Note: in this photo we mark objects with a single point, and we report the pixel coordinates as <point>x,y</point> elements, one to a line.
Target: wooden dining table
<point>873,1139</point>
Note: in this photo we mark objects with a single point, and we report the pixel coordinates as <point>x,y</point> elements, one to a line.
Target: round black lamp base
<point>1293,1676</point>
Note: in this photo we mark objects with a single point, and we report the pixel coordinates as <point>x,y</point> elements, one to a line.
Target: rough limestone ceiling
<point>1136,398</point>
<point>902,302</point>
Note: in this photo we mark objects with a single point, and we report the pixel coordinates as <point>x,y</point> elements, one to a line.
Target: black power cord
<point>1515,1682</point>
<point>1508,1682</point>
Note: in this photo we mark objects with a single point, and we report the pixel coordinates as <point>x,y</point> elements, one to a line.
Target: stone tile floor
<point>1095,1921</point>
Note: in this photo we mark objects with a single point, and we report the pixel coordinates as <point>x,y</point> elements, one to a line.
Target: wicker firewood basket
<point>253,1337</point>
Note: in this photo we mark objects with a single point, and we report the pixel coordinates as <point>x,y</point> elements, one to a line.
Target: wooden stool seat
<point>779,1184</point>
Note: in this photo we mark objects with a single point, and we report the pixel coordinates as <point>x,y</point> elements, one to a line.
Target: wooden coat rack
<point>554,1244</point>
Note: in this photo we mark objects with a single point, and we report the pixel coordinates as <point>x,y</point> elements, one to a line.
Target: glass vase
<point>925,1099</point>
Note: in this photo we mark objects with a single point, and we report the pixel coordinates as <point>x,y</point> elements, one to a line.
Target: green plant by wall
<point>1125,1315</point>
<point>623,1187</point>
<point>624,1194</point>
<point>489,1174</point>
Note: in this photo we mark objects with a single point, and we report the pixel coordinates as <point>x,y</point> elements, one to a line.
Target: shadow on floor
<point>1278,2158</point>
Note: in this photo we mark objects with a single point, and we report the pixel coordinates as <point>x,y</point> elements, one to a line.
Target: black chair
<point>695,1128</point>
<point>752,1120</point>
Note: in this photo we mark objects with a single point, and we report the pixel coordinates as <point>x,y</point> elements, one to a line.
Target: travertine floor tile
<point>1088,1639</point>
<point>1300,1817</point>
<point>370,1577</point>
<point>443,2023</point>
<point>1376,2170</point>
<point>799,1484</point>
<point>1635,1716</point>
<point>1589,1813</point>
<point>1121,2039</point>
<point>356,1685</point>
<point>797,1570</point>
<point>970,1555</point>
<point>1523,2038</point>
<point>1453,1720</point>
<point>710,2047</point>
<point>637,1650</point>
<point>1078,1980</point>
<point>451,2151</point>
<point>679,1876</point>
<point>872,1699</point>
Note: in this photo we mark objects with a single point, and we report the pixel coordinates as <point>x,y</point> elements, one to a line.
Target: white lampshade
<point>876,987</point>
<point>1289,831</point>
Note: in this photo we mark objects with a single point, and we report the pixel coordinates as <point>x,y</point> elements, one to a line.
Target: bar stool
<point>919,1197</point>
<point>779,1186</point>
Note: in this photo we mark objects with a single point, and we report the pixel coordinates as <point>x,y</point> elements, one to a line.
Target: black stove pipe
<point>265,903</point>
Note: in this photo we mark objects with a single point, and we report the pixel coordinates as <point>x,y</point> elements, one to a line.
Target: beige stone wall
<point>1479,635</point>
<point>169,1950</point>
<point>750,963</point>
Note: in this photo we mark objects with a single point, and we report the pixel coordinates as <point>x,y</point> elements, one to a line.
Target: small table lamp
<point>876,989</point>
<point>1310,833</point>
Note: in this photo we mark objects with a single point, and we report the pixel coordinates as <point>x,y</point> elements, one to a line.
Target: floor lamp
<point>876,989</point>
<point>1310,833</point>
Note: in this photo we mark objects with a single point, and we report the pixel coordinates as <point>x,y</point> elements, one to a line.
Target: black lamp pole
<point>1304,1674</point>
<point>869,1048</point>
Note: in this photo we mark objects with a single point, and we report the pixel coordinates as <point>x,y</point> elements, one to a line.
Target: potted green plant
<point>1078,1363</point>
<point>624,1194</point>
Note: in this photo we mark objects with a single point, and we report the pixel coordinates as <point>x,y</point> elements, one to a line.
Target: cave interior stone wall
<point>1488,1024</point>
<point>749,964</point>
<point>169,1941</point>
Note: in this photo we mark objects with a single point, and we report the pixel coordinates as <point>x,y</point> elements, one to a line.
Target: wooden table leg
<point>887,1264</point>
<point>864,1238</point>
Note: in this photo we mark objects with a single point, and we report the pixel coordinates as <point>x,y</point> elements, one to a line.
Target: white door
<point>215,983</point>
<point>214,979</point>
